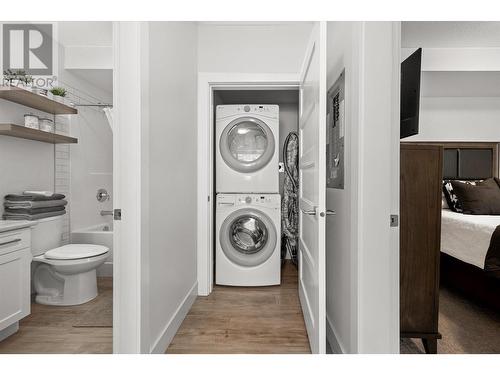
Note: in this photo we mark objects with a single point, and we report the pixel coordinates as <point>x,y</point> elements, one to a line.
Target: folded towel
<point>35,204</point>
<point>33,197</point>
<point>37,192</point>
<point>9,216</point>
<point>33,211</point>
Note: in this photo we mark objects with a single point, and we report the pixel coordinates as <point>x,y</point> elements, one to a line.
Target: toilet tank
<point>46,235</point>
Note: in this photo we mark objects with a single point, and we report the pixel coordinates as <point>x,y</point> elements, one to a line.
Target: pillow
<point>483,198</point>
<point>451,197</point>
<point>444,203</point>
<point>452,201</point>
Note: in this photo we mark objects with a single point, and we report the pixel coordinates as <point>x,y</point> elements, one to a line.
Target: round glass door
<point>248,234</point>
<point>248,237</point>
<point>247,144</point>
<point>247,141</point>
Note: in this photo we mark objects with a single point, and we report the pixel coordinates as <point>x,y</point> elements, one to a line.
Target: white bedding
<point>467,237</point>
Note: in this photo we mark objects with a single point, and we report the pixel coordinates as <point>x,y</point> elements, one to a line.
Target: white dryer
<point>247,142</point>
<point>248,233</point>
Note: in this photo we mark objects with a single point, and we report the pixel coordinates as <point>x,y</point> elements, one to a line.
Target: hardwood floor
<point>50,329</point>
<point>467,327</point>
<point>246,320</point>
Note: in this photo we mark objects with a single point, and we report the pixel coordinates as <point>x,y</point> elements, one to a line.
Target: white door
<point>127,111</point>
<point>312,170</point>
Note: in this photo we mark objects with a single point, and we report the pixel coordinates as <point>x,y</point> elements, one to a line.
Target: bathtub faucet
<point>106,213</point>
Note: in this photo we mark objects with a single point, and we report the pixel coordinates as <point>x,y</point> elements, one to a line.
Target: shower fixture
<point>102,195</point>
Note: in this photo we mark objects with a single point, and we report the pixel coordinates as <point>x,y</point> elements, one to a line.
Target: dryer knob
<point>247,108</point>
<point>248,200</point>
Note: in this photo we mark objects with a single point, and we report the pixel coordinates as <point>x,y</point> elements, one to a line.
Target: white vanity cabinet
<point>15,288</point>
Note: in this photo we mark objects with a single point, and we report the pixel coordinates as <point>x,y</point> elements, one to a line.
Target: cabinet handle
<point>9,242</point>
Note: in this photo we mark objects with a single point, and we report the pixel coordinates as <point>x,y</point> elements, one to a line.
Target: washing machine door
<point>248,237</point>
<point>247,144</point>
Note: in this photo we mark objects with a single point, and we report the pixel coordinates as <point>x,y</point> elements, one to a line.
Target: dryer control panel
<point>268,110</point>
<point>267,200</point>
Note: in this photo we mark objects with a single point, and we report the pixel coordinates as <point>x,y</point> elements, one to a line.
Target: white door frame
<point>207,83</point>
<point>130,314</point>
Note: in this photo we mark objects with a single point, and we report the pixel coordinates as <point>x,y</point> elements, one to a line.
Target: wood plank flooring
<point>467,327</point>
<point>49,329</point>
<point>246,320</point>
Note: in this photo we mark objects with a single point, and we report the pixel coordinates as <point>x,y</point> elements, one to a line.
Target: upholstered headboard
<point>469,160</point>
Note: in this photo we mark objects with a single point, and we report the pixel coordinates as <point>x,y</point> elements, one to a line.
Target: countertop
<point>8,225</point>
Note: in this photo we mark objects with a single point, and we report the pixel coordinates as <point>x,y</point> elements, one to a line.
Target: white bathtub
<point>101,234</point>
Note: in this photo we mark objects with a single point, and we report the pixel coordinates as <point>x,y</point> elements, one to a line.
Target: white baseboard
<point>174,323</point>
<point>331,336</point>
<point>8,331</point>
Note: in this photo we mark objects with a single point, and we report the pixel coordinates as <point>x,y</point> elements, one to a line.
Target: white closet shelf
<point>18,131</point>
<point>35,101</point>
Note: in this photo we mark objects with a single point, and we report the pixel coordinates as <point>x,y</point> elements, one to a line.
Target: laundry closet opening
<point>255,182</point>
<point>254,295</point>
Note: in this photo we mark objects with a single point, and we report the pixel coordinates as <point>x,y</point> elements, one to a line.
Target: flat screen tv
<point>410,94</point>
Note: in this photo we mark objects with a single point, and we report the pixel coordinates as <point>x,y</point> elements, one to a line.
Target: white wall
<point>24,164</point>
<point>171,154</point>
<point>362,276</point>
<point>459,119</point>
<point>252,47</point>
<point>341,306</point>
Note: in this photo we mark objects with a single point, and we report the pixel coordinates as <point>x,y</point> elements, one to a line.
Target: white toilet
<point>63,275</point>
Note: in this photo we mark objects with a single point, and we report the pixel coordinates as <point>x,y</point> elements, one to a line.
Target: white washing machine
<point>248,233</point>
<point>247,142</point>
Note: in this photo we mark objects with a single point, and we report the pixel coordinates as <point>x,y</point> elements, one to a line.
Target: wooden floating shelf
<point>35,101</point>
<point>18,131</point>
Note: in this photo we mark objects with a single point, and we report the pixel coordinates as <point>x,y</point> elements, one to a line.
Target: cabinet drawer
<point>15,240</point>
<point>14,286</point>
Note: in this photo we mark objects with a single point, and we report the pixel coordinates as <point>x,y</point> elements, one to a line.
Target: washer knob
<point>246,108</point>
<point>248,200</point>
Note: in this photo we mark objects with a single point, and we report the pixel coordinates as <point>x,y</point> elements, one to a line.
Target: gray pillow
<point>480,199</point>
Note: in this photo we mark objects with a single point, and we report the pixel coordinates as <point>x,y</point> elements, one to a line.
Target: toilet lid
<point>76,251</point>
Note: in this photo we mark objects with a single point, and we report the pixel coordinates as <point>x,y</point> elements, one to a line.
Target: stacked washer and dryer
<point>248,229</point>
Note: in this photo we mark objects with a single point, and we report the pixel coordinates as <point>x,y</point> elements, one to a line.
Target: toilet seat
<point>75,251</point>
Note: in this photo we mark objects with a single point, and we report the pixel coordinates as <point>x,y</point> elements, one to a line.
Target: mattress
<point>467,237</point>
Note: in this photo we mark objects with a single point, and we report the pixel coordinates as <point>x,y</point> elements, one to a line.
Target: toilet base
<point>54,288</point>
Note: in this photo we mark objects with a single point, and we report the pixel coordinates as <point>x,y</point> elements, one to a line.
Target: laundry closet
<point>255,182</point>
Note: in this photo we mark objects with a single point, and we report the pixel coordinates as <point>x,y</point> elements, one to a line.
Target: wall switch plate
<point>281,167</point>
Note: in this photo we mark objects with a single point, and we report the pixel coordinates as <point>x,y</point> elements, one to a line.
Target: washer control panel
<point>229,200</point>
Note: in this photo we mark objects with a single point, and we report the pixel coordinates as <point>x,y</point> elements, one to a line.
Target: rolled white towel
<point>35,192</point>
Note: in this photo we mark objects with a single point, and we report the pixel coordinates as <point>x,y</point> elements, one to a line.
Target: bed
<point>470,244</point>
<point>468,238</point>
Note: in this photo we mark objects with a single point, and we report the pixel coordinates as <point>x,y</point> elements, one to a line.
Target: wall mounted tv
<point>410,94</point>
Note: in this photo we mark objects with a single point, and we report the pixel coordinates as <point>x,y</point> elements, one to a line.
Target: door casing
<point>207,83</point>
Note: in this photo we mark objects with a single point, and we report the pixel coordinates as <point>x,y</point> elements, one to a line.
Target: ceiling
<point>448,34</point>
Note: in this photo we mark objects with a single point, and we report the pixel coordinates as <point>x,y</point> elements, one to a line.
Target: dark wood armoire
<point>420,236</point>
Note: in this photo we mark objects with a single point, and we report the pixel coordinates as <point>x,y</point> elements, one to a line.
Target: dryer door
<point>247,144</point>
<point>248,237</point>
